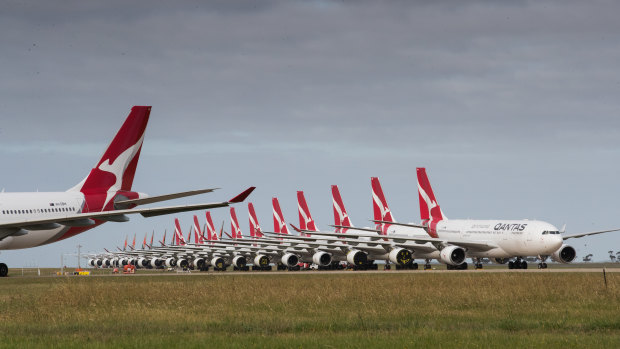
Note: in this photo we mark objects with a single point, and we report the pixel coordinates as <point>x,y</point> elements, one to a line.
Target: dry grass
<point>309,310</point>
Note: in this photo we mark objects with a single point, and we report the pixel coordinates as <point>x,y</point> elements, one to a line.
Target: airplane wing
<point>478,245</point>
<point>411,225</point>
<point>574,236</point>
<point>355,228</point>
<point>159,198</point>
<point>86,219</point>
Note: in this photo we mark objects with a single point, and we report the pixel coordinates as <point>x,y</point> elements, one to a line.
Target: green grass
<point>445,310</point>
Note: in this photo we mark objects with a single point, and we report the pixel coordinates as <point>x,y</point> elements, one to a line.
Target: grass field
<point>444,310</point>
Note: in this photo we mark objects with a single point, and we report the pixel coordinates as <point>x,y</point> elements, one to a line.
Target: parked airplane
<point>35,219</point>
<point>498,239</point>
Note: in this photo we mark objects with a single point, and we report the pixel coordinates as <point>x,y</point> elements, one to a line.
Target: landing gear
<point>477,263</point>
<point>427,264</point>
<point>542,265</point>
<point>518,263</point>
<point>4,270</point>
<point>462,266</point>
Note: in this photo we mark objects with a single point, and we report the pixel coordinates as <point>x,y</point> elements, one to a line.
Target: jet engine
<point>123,262</point>
<point>91,262</point>
<point>290,260</point>
<point>182,263</point>
<point>143,262</point>
<point>357,257</point>
<point>452,255</point>
<point>239,262</point>
<point>132,261</point>
<point>261,260</point>
<point>156,262</point>
<point>400,256</point>
<point>565,254</point>
<point>218,263</point>
<point>106,263</point>
<point>198,263</point>
<point>322,258</point>
<point>170,262</point>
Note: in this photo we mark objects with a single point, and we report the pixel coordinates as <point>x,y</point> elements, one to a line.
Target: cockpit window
<point>552,232</point>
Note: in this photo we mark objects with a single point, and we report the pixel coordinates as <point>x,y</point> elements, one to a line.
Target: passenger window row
<point>40,210</point>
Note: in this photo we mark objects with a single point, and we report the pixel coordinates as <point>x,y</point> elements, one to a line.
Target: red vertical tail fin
<point>430,211</point>
<point>116,169</point>
<point>305,218</point>
<point>125,247</point>
<point>379,204</point>
<point>163,241</point>
<point>189,234</point>
<point>133,244</point>
<point>144,242</point>
<point>340,213</point>
<point>178,233</point>
<point>255,230</point>
<point>199,238</point>
<point>211,235</point>
<point>234,225</point>
<point>279,224</point>
<point>152,237</point>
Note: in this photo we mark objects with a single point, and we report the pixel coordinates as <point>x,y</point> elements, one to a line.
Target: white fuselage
<point>30,206</point>
<point>512,238</point>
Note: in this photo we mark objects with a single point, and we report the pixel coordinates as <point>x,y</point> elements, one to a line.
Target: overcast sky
<point>513,107</point>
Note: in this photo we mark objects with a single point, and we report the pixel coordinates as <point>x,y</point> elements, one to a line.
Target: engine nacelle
<point>564,254</point>
<point>199,263</point>
<point>452,255</point>
<point>239,262</point>
<point>357,257</point>
<point>171,262</point>
<point>218,262</point>
<point>156,262</point>
<point>261,260</point>
<point>290,260</point>
<point>123,262</point>
<point>322,258</point>
<point>143,262</point>
<point>106,263</point>
<point>182,263</point>
<point>401,256</point>
<point>133,261</point>
<point>91,262</point>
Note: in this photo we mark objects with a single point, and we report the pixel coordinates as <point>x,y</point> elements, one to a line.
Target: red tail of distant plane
<point>211,234</point>
<point>152,237</point>
<point>199,237</point>
<point>234,225</point>
<point>255,230</point>
<point>279,225</point>
<point>163,241</point>
<point>125,247</point>
<point>340,213</point>
<point>133,244</point>
<point>430,211</point>
<point>379,204</point>
<point>189,235</point>
<point>305,218</point>
<point>144,242</point>
<point>178,233</point>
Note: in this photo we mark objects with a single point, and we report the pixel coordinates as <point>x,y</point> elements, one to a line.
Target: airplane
<point>498,239</point>
<point>105,195</point>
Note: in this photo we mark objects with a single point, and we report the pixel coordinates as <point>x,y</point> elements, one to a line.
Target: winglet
<point>241,197</point>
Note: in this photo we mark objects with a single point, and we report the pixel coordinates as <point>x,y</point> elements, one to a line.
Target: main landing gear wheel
<point>4,270</point>
<point>517,264</point>
<point>542,265</point>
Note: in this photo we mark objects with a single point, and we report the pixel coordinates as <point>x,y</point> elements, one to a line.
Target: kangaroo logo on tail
<point>305,218</point>
<point>380,207</point>
<point>340,213</point>
<point>180,240</point>
<point>234,225</point>
<point>430,211</point>
<point>211,235</point>
<point>255,230</point>
<point>279,225</point>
